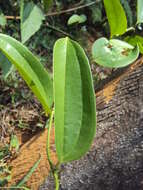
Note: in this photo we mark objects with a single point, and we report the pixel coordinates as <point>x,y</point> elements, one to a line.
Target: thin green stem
<point>48,140</point>
<point>56,177</point>
<point>130,29</point>
<point>58,30</point>
<point>53,168</point>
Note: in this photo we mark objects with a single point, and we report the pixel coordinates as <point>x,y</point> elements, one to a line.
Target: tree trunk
<point>115,161</point>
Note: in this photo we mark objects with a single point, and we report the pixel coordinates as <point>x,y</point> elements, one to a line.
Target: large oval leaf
<point>114,53</point>
<point>116,17</point>
<point>29,68</point>
<point>75,117</point>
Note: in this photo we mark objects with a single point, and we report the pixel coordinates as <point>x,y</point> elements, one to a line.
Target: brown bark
<point>115,161</point>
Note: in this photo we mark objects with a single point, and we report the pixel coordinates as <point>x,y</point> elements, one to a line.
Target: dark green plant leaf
<point>114,53</point>
<point>75,117</point>
<point>47,4</point>
<point>30,69</point>
<point>135,40</point>
<point>31,20</point>
<point>5,65</point>
<point>116,17</point>
<point>139,11</point>
<point>77,19</point>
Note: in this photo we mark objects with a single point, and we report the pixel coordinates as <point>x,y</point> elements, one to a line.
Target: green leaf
<point>47,4</point>
<point>77,19</point>
<point>30,69</point>
<point>139,11</point>
<point>31,20</point>
<point>116,17</point>
<point>75,117</point>
<point>114,53</point>
<point>14,143</point>
<point>5,65</point>
<point>2,20</point>
<point>135,40</point>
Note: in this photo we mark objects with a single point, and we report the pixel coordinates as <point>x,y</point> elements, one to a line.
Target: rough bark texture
<point>115,161</point>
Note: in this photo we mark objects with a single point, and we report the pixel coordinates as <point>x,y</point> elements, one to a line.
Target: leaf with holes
<point>114,53</point>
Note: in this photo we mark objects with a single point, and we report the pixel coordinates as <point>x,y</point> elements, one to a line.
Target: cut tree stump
<point>115,161</point>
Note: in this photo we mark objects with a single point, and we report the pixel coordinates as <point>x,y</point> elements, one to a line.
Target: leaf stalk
<point>54,169</point>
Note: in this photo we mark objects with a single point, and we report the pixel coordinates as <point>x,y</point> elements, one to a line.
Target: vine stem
<point>53,168</point>
<point>58,30</point>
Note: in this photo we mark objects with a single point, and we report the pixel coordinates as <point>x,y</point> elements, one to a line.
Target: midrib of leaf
<point>74,149</point>
<point>64,99</point>
<point>67,155</point>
